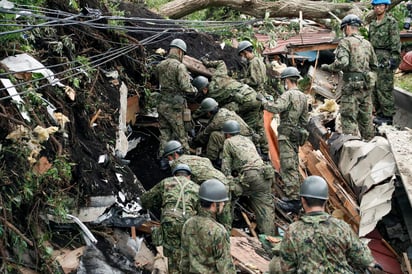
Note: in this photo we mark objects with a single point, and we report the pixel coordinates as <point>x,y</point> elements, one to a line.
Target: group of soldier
<point>197,201</point>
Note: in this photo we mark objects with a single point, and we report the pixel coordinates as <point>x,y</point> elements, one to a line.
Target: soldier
<point>175,84</point>
<point>256,76</point>
<point>293,109</point>
<point>236,96</point>
<point>205,242</point>
<point>356,58</point>
<point>202,170</point>
<point>241,159</point>
<point>177,196</point>
<point>212,135</point>
<point>385,39</point>
<point>318,242</point>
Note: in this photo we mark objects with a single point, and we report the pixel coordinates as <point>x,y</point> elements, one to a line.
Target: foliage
<point>25,195</point>
<point>404,81</point>
<point>113,8</point>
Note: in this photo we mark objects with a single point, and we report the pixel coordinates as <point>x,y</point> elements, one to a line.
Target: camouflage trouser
<point>274,265</point>
<point>383,99</point>
<point>356,112</point>
<point>171,124</point>
<point>171,245</point>
<point>289,167</point>
<point>215,145</point>
<point>250,111</point>
<point>260,200</point>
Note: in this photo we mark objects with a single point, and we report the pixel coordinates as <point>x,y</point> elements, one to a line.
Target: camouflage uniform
<point>293,109</point>
<point>256,78</point>
<point>202,170</point>
<point>385,39</point>
<point>356,58</point>
<point>240,156</point>
<point>235,96</point>
<point>213,136</point>
<point>176,209</point>
<point>174,81</point>
<point>205,246</point>
<point>320,243</point>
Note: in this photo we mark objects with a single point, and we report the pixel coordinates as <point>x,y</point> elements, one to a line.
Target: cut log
<point>257,8</point>
<point>195,65</point>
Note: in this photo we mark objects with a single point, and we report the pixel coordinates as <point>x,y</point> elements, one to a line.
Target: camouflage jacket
<point>202,169</point>
<point>293,108</point>
<point>320,243</point>
<point>256,76</point>
<point>240,154</point>
<point>205,246</point>
<point>176,196</point>
<point>217,120</point>
<point>385,39</point>
<point>354,54</point>
<point>225,89</point>
<point>174,78</point>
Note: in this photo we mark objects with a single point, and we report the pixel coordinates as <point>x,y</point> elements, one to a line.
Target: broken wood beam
<point>195,65</point>
<point>249,224</point>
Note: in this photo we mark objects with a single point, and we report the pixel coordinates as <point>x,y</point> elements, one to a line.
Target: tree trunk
<point>257,8</point>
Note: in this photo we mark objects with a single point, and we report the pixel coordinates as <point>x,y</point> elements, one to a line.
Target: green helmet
<point>182,167</point>
<point>200,82</point>
<point>208,104</point>
<point>231,127</point>
<point>178,43</point>
<point>350,20</point>
<point>213,190</point>
<point>314,187</point>
<point>243,45</point>
<point>172,147</point>
<point>290,72</point>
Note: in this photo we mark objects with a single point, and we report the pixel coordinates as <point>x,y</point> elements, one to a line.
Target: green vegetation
<point>404,81</point>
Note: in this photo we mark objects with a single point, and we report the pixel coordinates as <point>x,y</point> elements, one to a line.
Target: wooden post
<point>249,224</point>
<point>133,232</point>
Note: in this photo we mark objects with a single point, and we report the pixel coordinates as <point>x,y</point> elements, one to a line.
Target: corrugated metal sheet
<point>322,39</point>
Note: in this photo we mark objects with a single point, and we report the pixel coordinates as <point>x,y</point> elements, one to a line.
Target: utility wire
<point>93,64</point>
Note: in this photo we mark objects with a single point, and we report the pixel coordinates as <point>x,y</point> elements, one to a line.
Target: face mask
<point>243,59</point>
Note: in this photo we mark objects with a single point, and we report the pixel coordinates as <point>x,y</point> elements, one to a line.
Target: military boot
<point>379,120</point>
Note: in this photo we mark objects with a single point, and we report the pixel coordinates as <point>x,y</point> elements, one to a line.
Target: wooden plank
<point>407,262</point>
<point>243,250</point>
<point>272,139</point>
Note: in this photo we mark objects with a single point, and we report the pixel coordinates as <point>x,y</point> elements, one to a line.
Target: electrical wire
<point>162,29</point>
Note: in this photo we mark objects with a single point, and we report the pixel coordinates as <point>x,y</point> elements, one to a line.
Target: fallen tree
<point>257,8</point>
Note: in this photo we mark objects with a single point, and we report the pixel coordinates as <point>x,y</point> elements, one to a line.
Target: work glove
<point>261,97</point>
<point>205,60</point>
<point>325,67</point>
<point>392,64</point>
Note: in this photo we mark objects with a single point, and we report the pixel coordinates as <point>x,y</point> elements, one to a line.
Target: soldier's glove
<point>325,67</point>
<point>205,60</point>
<point>392,64</point>
<point>261,97</point>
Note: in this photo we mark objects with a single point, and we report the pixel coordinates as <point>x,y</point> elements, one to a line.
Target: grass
<point>404,81</point>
